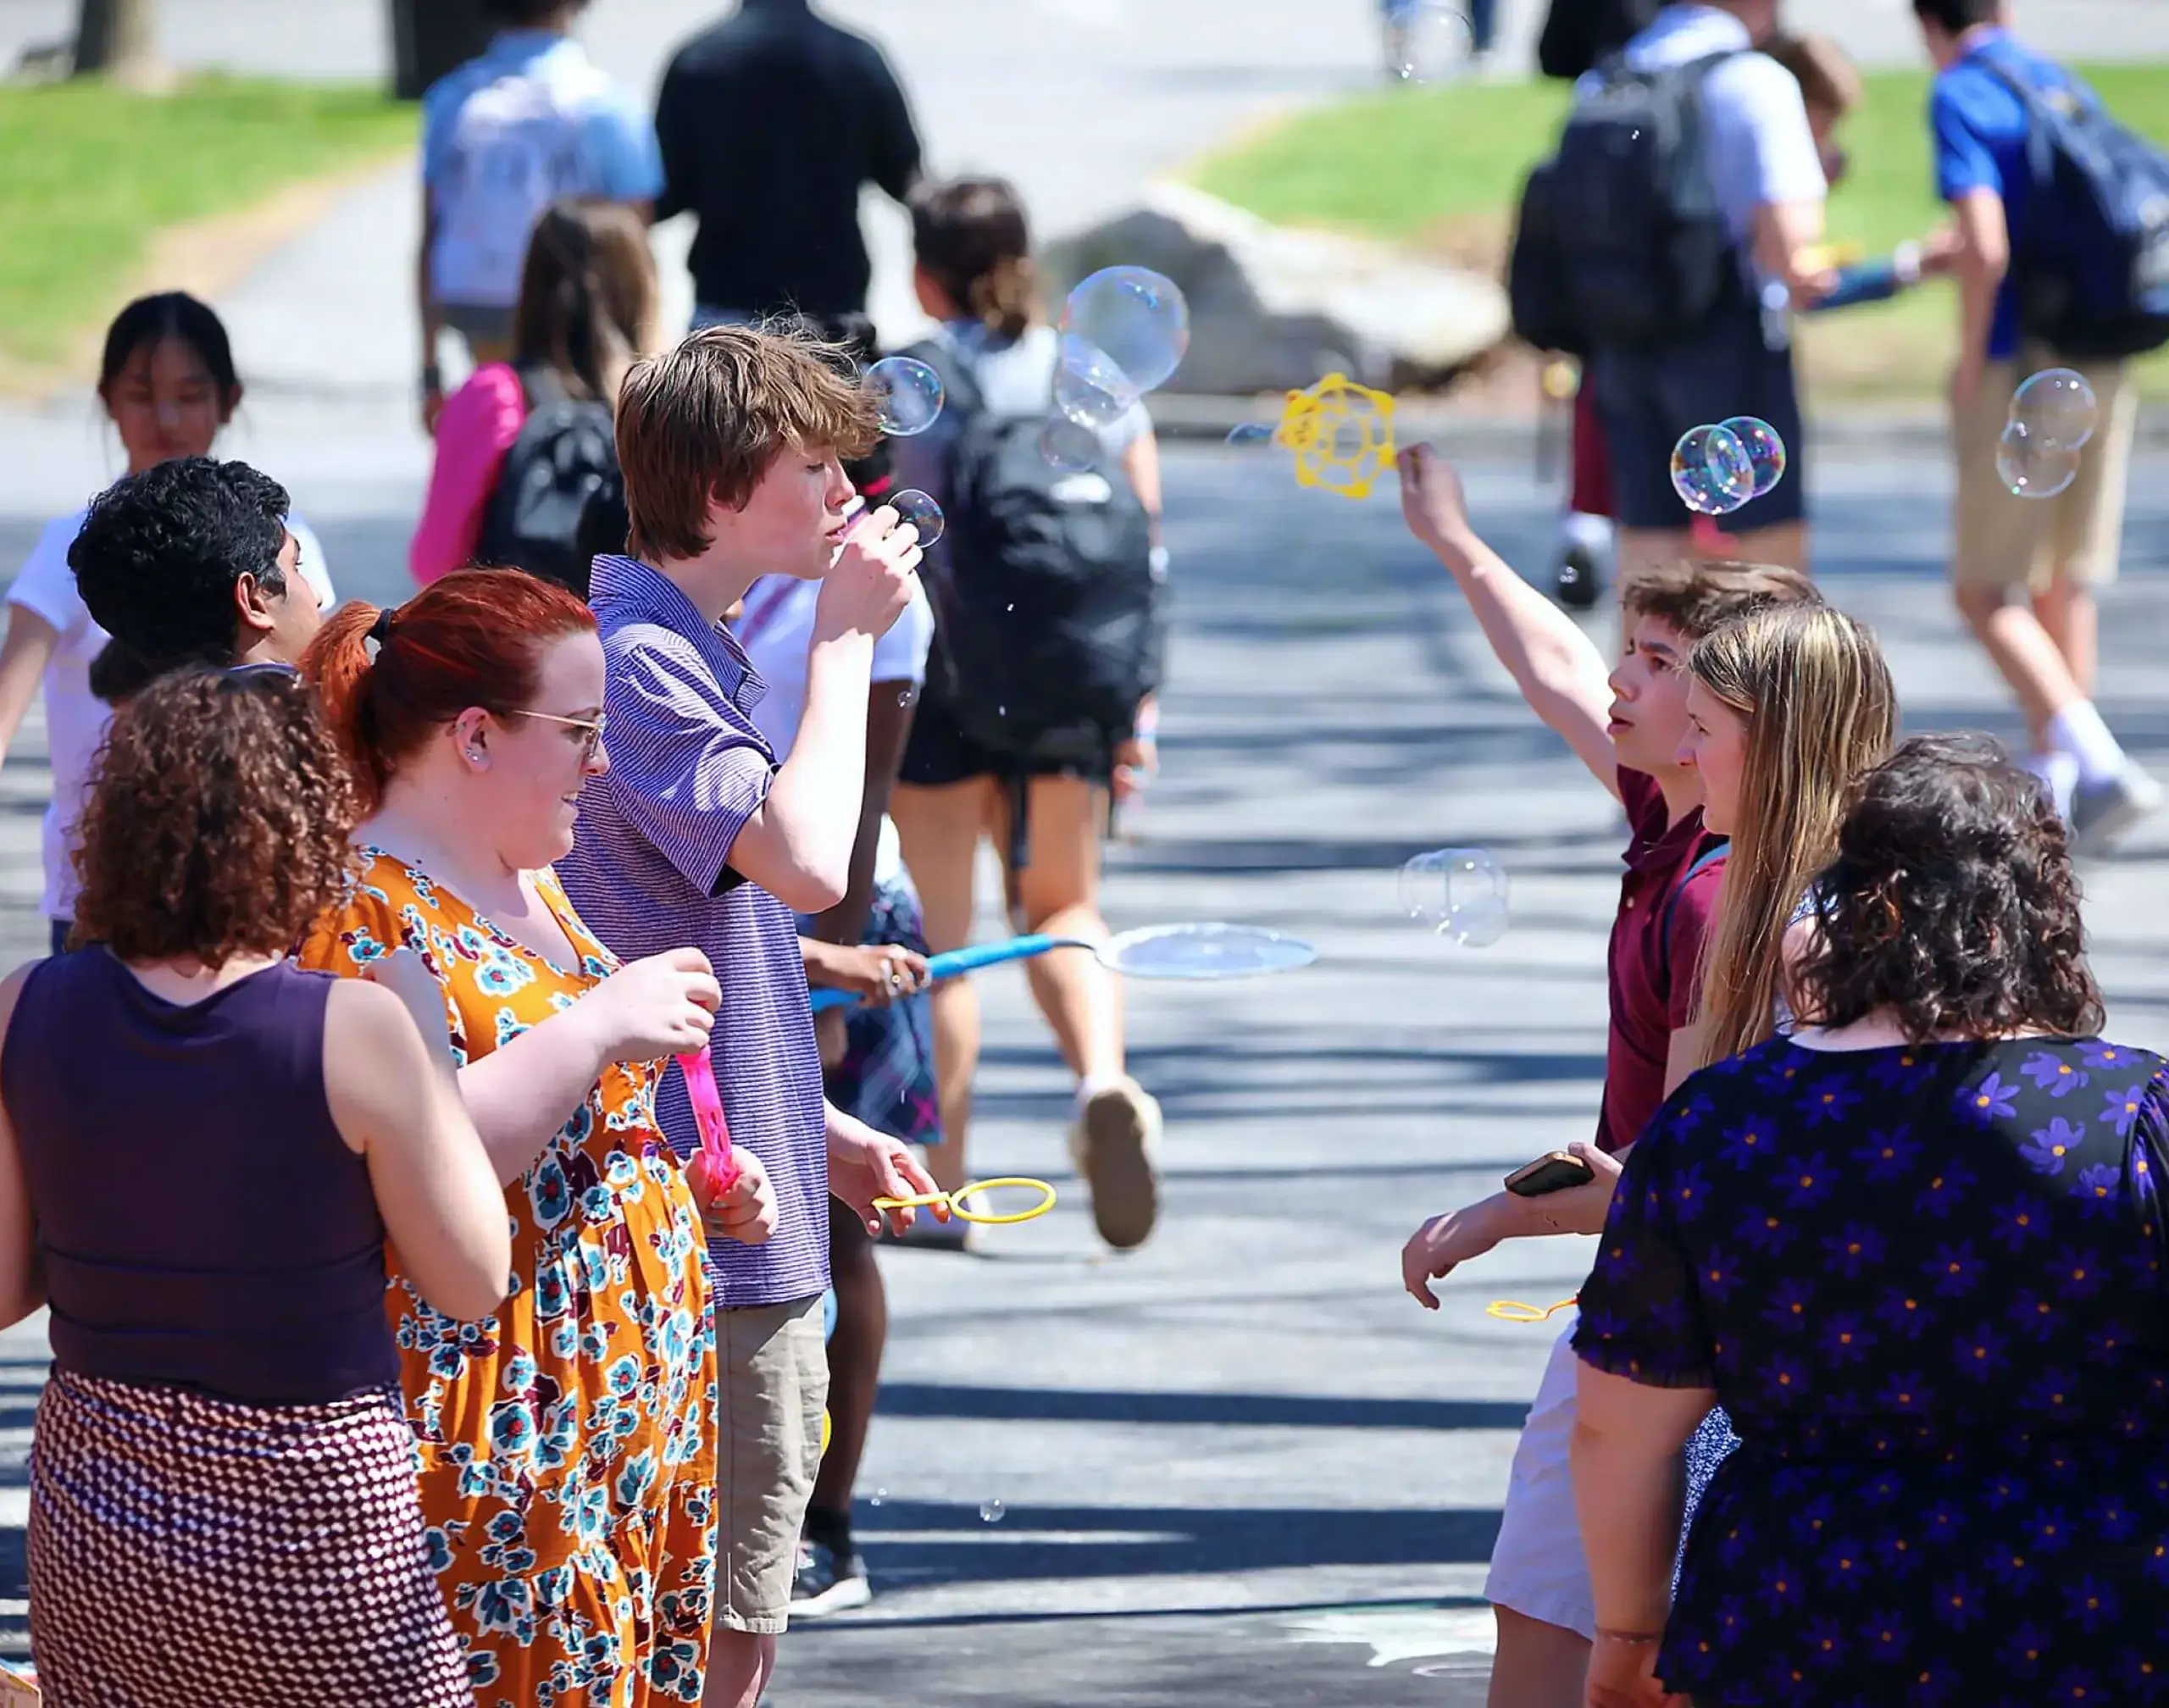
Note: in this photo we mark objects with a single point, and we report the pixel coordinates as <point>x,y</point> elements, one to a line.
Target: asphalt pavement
<point>1239,1465</point>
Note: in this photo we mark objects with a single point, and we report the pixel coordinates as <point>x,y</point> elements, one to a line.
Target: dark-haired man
<point>192,562</point>
<point>2053,553</point>
<point>528,121</point>
<point>771,123</point>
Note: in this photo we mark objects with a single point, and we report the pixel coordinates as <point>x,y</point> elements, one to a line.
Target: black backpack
<point>565,457</point>
<point>1621,244</point>
<point>2091,262</point>
<point>1046,606</point>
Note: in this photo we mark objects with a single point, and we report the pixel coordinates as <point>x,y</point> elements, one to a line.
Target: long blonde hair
<point>1820,712</point>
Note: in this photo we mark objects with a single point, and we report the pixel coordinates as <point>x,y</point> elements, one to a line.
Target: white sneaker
<point>1115,1145</point>
<point>2101,811</point>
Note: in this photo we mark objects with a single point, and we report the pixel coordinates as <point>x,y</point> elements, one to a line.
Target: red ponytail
<point>473,639</point>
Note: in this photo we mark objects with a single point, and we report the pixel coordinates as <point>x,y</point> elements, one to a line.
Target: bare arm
<point>24,656</point>
<point>1140,462</point>
<point>1627,1491</point>
<point>1785,233</point>
<point>22,1276</point>
<point>1556,667</point>
<point>888,726</point>
<point>797,844</point>
<point>396,1100</point>
<point>1982,259</point>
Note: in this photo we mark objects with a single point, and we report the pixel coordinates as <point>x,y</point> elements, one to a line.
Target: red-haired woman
<point>567,1463</point>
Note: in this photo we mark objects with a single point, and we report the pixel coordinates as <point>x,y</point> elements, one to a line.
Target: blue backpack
<point>2092,264</point>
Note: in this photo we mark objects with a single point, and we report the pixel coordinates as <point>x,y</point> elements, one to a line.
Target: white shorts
<point>1537,1568</point>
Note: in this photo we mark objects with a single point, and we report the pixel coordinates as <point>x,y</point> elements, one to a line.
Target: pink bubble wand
<point>707,1112</point>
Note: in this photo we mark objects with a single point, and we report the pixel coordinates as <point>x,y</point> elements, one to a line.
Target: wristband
<point>1637,1637</point>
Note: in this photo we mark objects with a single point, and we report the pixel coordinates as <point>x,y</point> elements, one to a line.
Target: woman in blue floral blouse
<point>1916,1249</point>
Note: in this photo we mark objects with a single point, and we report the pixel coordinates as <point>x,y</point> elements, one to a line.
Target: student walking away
<point>1666,238</point>
<point>202,1152</point>
<point>772,121</point>
<point>529,122</point>
<point>1916,1250</point>
<point>168,384</point>
<point>568,1465</point>
<point>524,447</point>
<point>1627,725</point>
<point>1038,703</point>
<point>731,448</point>
<point>877,1060</point>
<point>2052,270</point>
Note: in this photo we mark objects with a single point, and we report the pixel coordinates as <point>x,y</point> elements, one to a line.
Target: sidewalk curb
<point>1459,433</point>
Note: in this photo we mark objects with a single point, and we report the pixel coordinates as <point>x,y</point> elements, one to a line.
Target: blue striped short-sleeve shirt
<point>649,872</point>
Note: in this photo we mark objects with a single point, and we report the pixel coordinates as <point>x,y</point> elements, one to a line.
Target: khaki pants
<point>2007,542</point>
<point>774,1369</point>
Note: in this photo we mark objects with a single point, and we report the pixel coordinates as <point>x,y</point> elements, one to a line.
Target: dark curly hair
<point>220,820</point>
<point>1951,903</point>
<point>158,558</point>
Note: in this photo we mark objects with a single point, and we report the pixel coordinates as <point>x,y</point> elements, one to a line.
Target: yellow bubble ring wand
<point>1341,433</point>
<point>957,1201</point>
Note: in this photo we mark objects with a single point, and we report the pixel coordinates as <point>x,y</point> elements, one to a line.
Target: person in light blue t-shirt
<point>528,121</point>
<point>2026,570</point>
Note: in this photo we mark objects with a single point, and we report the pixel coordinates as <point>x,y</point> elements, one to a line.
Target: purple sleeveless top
<point>201,1223</point>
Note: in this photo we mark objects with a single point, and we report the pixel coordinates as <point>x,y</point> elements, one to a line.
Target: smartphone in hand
<point>1555,1172</point>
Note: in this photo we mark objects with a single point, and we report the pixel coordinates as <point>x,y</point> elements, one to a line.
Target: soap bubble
<point>992,1512</point>
<point>1712,471</point>
<point>2058,410</point>
<point>2030,469</point>
<point>1426,40</point>
<point>1251,435</point>
<point>1766,450</point>
<point>1089,386</point>
<point>1137,318</point>
<point>1460,892</point>
<point>914,506</point>
<point>1067,445</point>
<point>907,395</point>
<point>879,1497</point>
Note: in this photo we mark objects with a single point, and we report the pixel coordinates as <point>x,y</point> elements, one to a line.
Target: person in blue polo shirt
<point>2055,551</point>
<point>526,122</point>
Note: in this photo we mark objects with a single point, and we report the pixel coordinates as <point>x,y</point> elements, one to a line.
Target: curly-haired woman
<point>203,1150</point>
<point>1916,1250</point>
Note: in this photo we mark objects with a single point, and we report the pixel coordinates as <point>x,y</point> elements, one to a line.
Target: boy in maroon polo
<point>1626,725</point>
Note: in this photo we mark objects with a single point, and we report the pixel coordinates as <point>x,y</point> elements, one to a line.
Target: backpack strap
<point>960,385</point>
<point>2041,118</point>
<point>1703,861</point>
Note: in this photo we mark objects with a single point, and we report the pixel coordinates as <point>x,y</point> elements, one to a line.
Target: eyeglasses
<point>243,672</point>
<point>591,727</point>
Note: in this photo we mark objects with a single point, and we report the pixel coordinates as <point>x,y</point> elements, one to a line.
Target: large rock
<point>1274,310</point>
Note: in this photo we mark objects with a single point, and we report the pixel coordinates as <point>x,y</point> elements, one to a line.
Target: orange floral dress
<point>567,1442</point>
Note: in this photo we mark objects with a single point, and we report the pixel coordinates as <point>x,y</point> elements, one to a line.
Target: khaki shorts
<point>2077,536</point>
<point>774,1369</point>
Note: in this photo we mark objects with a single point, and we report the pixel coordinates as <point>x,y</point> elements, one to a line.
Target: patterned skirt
<point>186,1551</point>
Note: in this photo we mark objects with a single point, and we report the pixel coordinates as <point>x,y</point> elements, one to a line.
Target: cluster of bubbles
<point>2052,415</point>
<point>907,400</point>
<point>992,1512</point>
<point>1123,332</point>
<point>1716,470</point>
<point>1426,40</point>
<point>1459,893</point>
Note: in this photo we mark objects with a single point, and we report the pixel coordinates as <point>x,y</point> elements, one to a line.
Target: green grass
<point>1440,167</point>
<point>94,172</point>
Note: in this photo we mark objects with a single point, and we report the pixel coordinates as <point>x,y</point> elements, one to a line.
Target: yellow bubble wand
<point>1342,435</point>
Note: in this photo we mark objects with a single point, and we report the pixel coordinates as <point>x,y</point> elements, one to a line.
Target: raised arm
<point>1557,668</point>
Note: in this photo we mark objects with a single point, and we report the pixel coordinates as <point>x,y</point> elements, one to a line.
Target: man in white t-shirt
<point>166,570</point>
<point>895,1091</point>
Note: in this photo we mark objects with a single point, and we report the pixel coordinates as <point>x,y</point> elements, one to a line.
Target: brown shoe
<point>1115,1145</point>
